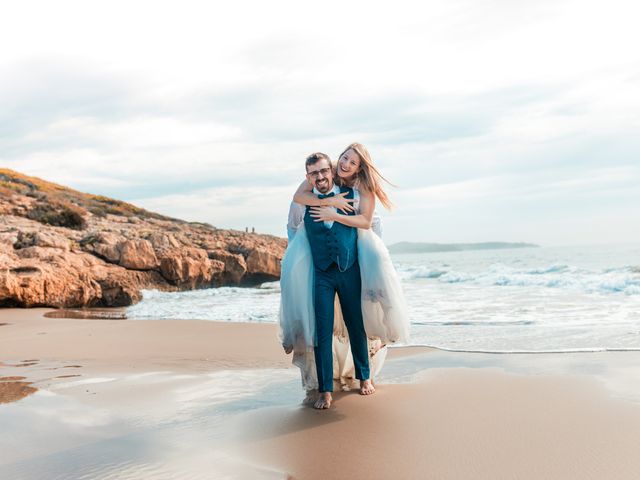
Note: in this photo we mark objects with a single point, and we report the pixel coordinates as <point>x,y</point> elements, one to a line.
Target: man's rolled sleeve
<point>296,219</point>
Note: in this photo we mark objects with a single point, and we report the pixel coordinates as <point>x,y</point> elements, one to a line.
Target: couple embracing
<point>341,302</point>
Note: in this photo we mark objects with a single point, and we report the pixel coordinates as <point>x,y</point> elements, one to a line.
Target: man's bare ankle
<point>324,401</point>
<point>366,387</point>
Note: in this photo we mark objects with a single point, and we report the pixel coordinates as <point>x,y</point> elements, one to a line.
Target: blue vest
<point>337,244</point>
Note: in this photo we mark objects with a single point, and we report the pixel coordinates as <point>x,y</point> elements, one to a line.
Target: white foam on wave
<point>625,280</point>
<point>535,300</point>
<point>222,304</point>
<point>527,352</point>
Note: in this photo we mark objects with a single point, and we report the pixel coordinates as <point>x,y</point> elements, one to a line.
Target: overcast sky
<point>497,120</point>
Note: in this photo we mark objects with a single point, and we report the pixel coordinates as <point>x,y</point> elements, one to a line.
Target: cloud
<point>472,109</point>
<point>231,207</point>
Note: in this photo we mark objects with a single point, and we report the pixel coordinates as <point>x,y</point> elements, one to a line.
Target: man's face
<point>320,175</point>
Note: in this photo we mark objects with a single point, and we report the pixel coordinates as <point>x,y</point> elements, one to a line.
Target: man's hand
<point>338,201</point>
<point>323,214</point>
<point>287,349</point>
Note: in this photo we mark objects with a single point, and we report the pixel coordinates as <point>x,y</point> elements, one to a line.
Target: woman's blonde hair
<point>368,176</point>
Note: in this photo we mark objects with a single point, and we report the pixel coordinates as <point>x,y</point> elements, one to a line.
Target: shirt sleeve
<point>296,219</point>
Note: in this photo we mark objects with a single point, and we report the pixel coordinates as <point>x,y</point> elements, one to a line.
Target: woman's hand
<point>324,214</point>
<point>338,201</point>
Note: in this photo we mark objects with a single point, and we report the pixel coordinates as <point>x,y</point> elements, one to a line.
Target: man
<point>336,270</point>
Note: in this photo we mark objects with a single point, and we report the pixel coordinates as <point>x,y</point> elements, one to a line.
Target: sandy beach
<point>201,399</point>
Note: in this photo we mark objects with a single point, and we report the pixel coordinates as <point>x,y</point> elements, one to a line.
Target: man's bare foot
<point>324,401</point>
<point>366,387</point>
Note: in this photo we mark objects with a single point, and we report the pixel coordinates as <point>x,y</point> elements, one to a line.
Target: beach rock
<point>38,276</point>
<point>120,287</point>
<point>41,238</point>
<point>104,245</point>
<point>8,239</point>
<point>7,257</point>
<point>137,255</point>
<point>263,265</point>
<point>190,268</point>
<point>262,253</point>
<point>235,265</point>
<point>31,284</point>
<point>118,250</point>
<point>163,241</point>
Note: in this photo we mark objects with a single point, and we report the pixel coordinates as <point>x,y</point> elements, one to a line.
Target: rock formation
<point>64,248</point>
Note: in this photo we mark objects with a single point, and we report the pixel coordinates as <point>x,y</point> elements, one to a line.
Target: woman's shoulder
<point>363,192</point>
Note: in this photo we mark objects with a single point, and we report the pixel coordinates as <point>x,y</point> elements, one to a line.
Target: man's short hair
<point>315,158</point>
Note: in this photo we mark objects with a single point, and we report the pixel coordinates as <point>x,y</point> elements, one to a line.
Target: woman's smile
<point>349,164</point>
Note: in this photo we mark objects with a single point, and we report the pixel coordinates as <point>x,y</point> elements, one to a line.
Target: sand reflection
<point>13,389</point>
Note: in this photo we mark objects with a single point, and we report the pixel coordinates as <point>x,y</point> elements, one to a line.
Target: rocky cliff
<point>64,248</point>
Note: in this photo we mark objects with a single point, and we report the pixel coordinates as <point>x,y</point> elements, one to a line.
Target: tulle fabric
<point>383,308</point>
<point>383,305</point>
<point>297,315</point>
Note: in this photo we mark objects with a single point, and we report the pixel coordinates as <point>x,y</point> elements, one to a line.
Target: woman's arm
<point>362,220</point>
<point>305,196</point>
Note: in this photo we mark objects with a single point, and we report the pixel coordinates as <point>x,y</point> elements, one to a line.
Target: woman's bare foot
<point>366,387</point>
<point>324,401</point>
<point>310,398</point>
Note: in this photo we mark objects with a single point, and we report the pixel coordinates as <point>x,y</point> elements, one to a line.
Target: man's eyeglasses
<point>316,173</point>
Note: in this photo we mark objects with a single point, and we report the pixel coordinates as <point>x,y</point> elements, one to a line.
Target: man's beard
<point>324,185</point>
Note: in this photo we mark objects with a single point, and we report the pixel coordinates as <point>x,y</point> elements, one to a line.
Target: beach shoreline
<point>436,414</point>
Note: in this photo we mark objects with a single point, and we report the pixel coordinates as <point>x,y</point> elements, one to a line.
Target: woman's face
<point>348,164</point>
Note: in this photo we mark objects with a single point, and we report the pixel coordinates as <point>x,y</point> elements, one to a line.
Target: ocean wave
<point>420,272</point>
<point>236,304</point>
<point>527,352</point>
<point>549,269</point>
<point>624,280</point>
<point>481,323</point>
<point>275,286</point>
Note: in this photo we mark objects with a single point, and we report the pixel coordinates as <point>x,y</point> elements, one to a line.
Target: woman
<point>383,306</point>
<point>355,169</point>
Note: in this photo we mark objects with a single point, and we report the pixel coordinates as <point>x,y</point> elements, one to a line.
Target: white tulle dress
<point>383,307</point>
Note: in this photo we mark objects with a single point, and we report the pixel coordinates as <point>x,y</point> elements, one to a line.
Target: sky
<point>496,120</point>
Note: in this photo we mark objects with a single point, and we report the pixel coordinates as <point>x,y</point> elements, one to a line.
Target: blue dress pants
<point>348,286</point>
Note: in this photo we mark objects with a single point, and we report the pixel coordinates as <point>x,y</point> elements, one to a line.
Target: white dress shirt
<point>296,219</point>
<point>297,211</point>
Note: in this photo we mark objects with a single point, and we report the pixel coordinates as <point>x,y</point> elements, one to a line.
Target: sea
<point>521,300</point>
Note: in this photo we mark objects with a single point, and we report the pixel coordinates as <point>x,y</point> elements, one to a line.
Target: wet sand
<point>224,400</point>
<point>458,424</point>
<point>14,388</point>
<point>140,345</point>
